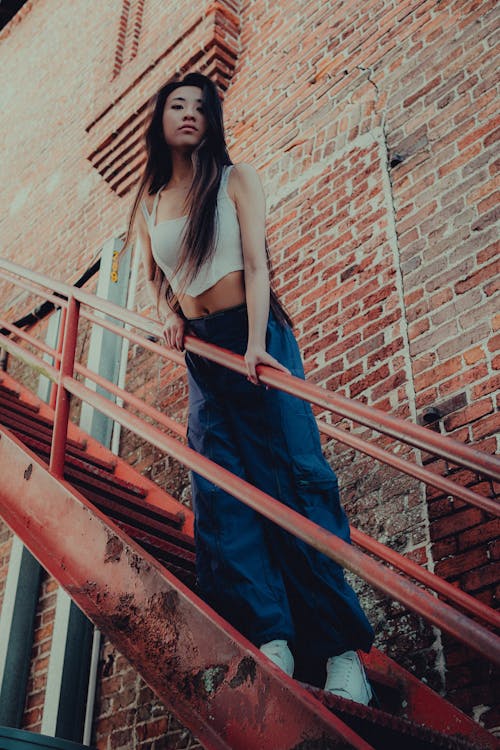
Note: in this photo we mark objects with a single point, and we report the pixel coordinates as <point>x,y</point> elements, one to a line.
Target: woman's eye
<point>176,106</point>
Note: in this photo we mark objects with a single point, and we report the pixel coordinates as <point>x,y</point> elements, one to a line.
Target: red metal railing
<point>382,578</point>
<point>437,584</point>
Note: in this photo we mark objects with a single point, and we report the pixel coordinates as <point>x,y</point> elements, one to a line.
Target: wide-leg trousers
<point>262,579</point>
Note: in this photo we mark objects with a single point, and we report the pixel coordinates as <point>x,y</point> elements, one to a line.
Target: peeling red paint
<point>246,671</point>
<point>215,682</point>
<point>114,549</point>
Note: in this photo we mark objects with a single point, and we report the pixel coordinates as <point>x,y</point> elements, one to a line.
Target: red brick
<point>443,506</point>
<point>438,373</point>
<point>487,386</point>
<point>475,279</point>
<point>486,426</point>
<point>457,564</point>
<point>475,411</point>
<point>474,135</point>
<point>445,547</point>
<point>463,158</point>
<point>465,519</point>
<point>481,577</point>
<point>384,352</point>
<point>463,379</point>
<point>474,355</point>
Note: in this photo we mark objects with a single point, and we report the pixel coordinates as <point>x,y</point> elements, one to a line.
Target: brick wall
<point>128,714</point>
<point>37,681</point>
<point>373,127</point>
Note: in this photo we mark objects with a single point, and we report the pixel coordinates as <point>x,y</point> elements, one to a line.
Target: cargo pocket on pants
<point>317,492</point>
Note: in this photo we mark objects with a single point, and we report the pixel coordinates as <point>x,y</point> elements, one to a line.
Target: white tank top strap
<point>224,178</point>
<point>167,238</point>
<point>155,206</point>
<point>145,212</point>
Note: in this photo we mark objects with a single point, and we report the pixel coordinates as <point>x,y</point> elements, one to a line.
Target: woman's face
<point>184,121</point>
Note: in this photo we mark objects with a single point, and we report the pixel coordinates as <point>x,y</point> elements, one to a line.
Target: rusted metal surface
<point>381,669</point>
<point>95,452</point>
<point>395,586</point>
<point>384,730</point>
<point>424,706</point>
<point>379,728</point>
<point>382,578</point>
<point>217,683</point>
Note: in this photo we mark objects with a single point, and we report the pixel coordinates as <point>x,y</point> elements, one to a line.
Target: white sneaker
<point>280,654</point>
<point>346,677</point>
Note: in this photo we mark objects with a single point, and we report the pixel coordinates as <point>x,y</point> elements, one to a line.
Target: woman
<point>202,232</point>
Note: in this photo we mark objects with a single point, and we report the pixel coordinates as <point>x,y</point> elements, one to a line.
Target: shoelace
<point>276,649</point>
<point>338,676</point>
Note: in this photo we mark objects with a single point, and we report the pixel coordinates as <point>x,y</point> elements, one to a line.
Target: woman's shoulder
<point>144,209</point>
<point>243,178</point>
<point>244,171</point>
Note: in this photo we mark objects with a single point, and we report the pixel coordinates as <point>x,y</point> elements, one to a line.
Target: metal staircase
<point>123,550</point>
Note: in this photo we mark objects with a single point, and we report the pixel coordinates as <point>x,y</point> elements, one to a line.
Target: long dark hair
<point>209,159</point>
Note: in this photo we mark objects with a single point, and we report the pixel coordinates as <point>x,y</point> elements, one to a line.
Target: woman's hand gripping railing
<point>382,578</point>
<point>432,581</point>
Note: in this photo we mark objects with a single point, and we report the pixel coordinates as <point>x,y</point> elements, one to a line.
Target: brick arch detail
<point>209,43</point>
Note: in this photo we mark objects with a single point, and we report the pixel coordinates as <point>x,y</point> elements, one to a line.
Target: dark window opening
<point>8,9</point>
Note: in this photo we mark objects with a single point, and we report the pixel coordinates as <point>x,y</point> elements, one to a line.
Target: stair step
<point>146,518</point>
<point>38,427</point>
<point>42,449</point>
<point>157,530</point>
<point>384,731</point>
<point>133,618</point>
<point>183,558</point>
<point>12,397</point>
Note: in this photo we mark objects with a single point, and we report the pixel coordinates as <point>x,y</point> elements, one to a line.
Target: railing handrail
<point>410,468</point>
<point>431,580</point>
<point>389,582</point>
<point>400,429</point>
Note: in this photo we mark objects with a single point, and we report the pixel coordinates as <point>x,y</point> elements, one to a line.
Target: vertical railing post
<point>61,417</point>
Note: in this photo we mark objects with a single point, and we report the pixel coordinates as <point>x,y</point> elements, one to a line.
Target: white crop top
<point>166,238</point>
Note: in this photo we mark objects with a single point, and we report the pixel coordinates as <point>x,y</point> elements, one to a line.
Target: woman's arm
<point>251,208</point>
<point>173,329</point>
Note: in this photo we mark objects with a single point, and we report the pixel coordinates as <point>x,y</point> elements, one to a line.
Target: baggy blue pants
<point>263,580</point>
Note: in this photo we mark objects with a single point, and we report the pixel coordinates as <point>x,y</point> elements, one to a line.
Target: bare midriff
<point>226,293</point>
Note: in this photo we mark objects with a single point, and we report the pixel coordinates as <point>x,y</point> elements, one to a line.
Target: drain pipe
<point>115,448</point>
<point>92,688</point>
<point>134,272</point>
